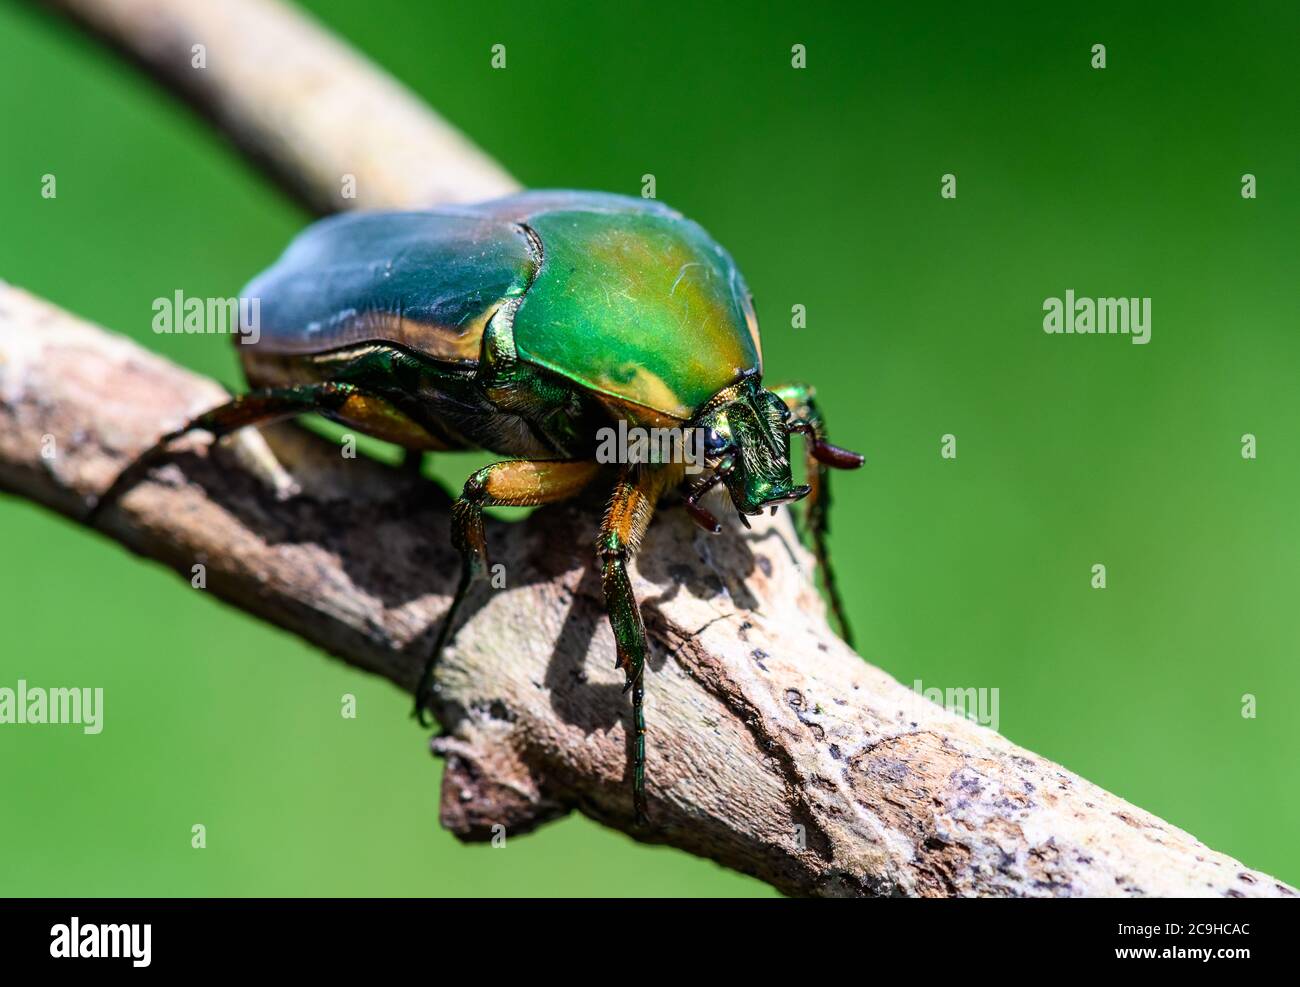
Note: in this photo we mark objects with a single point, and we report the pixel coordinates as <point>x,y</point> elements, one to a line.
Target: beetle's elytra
<point>524,326</point>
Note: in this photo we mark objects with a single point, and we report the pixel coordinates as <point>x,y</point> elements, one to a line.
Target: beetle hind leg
<point>257,407</point>
<point>513,483</point>
<point>821,457</point>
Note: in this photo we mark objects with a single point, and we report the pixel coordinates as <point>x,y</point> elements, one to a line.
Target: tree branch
<point>298,101</point>
<point>773,748</point>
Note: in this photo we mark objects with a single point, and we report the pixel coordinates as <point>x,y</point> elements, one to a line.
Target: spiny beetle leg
<point>819,456</point>
<point>513,483</point>
<point>257,407</point>
<point>629,639</point>
<point>627,517</point>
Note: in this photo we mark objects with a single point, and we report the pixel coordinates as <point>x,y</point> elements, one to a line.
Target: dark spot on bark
<point>835,752</point>
<point>764,564</point>
<point>795,698</point>
<point>939,864</point>
<point>1127,886</point>
<point>892,769</point>
<point>970,784</point>
<point>1246,877</point>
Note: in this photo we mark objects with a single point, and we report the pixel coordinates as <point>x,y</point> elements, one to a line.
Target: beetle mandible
<point>523,326</point>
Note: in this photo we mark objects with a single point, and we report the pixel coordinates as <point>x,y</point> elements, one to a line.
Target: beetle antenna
<point>823,452</point>
<point>700,515</point>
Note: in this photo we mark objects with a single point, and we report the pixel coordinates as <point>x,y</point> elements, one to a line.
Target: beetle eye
<point>714,443</point>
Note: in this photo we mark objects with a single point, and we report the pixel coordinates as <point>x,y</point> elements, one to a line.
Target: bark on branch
<point>773,748</point>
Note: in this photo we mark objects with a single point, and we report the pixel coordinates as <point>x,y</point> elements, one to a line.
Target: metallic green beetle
<point>525,326</point>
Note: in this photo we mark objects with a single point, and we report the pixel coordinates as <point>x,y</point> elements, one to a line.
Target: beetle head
<point>747,450</point>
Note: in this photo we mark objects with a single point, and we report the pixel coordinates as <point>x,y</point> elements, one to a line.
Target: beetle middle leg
<point>627,517</point>
<point>512,483</point>
<point>821,457</point>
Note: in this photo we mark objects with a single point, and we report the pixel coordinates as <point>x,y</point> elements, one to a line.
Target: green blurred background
<point>924,318</point>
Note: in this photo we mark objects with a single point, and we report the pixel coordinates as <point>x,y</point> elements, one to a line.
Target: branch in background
<point>773,748</point>
<point>299,102</point>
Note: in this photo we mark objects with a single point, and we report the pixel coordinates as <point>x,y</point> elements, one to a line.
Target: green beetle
<point>525,326</point>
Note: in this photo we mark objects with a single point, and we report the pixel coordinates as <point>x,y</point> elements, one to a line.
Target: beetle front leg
<point>513,483</point>
<point>820,457</point>
<point>626,519</point>
<point>254,408</point>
